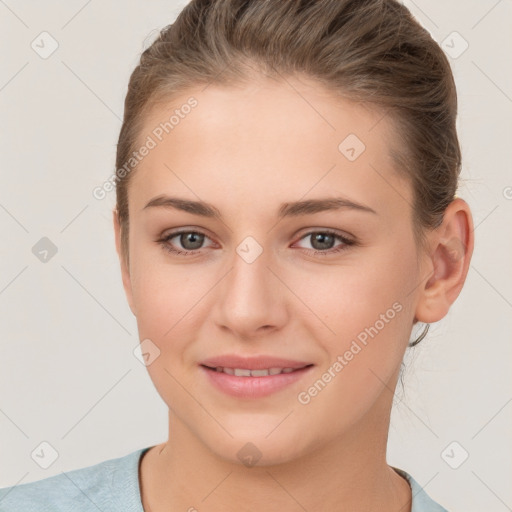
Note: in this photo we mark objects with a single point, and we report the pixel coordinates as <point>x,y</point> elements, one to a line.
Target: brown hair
<point>368,51</point>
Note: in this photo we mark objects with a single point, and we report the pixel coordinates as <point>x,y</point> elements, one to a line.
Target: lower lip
<point>253,387</point>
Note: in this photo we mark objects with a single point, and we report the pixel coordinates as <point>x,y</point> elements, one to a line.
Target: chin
<point>252,447</point>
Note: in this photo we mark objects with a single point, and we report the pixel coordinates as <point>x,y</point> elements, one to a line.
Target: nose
<point>251,299</point>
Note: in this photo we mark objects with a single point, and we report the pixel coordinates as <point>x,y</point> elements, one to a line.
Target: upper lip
<point>252,363</point>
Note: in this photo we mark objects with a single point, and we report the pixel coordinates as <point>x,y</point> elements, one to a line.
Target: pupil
<point>322,237</point>
<point>194,238</point>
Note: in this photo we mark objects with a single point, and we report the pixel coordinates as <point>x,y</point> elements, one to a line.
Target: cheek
<point>173,303</point>
<point>163,293</point>
<point>370,313</point>
<point>167,300</point>
<point>369,301</point>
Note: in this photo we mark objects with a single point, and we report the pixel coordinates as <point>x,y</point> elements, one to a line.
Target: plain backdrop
<point>68,374</point>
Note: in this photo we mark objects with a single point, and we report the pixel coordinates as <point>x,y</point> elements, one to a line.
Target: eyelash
<point>164,242</point>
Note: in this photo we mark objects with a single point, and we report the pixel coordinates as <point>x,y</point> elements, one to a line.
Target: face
<point>330,291</point>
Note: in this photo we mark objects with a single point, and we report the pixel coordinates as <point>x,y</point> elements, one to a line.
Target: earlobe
<point>125,271</point>
<point>451,248</point>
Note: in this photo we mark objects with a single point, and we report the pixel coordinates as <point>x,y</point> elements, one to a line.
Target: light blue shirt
<point>113,486</point>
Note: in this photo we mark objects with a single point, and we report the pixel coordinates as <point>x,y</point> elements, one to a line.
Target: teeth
<point>242,372</point>
<point>259,373</point>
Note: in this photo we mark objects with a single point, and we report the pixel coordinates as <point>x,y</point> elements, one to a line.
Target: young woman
<point>286,213</point>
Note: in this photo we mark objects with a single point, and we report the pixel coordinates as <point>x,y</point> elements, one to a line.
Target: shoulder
<point>421,501</point>
<point>109,485</point>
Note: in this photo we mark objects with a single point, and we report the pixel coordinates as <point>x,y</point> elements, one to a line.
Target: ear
<point>450,250</point>
<point>125,271</point>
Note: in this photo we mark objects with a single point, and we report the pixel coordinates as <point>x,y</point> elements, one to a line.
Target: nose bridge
<point>251,297</point>
<point>249,279</point>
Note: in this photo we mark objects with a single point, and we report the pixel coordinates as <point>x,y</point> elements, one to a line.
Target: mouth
<point>246,372</point>
<point>247,383</point>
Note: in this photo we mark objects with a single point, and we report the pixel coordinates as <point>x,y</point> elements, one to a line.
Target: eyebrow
<point>293,209</point>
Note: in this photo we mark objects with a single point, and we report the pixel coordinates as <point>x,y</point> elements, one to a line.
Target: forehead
<point>267,139</point>
<point>268,111</point>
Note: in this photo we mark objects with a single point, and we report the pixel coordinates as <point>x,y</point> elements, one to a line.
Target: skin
<point>246,150</point>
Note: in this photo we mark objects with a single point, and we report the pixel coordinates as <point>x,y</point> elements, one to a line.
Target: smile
<point>250,384</point>
<point>243,372</point>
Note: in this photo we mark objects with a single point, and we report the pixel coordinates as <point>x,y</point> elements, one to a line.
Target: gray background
<point>68,375</point>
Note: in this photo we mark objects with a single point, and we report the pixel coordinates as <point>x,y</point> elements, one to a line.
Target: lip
<point>253,387</point>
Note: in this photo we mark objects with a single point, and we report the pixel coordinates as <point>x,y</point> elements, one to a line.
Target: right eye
<point>191,241</point>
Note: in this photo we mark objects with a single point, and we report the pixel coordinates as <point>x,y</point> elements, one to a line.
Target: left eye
<point>322,241</point>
